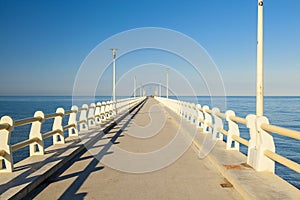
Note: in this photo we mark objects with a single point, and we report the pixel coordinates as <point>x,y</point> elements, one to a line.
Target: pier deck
<point>96,166</point>
<point>186,178</point>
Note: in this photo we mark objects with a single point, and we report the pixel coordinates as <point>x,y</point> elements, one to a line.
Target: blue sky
<point>43,43</point>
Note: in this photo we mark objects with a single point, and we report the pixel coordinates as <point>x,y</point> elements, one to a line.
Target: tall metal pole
<point>141,89</point>
<point>114,50</point>
<point>167,82</point>
<point>260,62</point>
<point>159,89</point>
<point>134,87</point>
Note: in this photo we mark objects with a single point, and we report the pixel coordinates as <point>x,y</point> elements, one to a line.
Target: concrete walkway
<point>102,173</point>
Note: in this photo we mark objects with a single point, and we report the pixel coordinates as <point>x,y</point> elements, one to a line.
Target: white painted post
<point>111,109</point>
<point>218,124</point>
<point>82,118</point>
<point>260,62</point>
<point>98,113</point>
<point>207,120</point>
<point>91,116</point>
<point>58,138</point>
<point>264,142</point>
<point>37,148</point>
<point>233,129</point>
<point>252,149</point>
<point>73,131</point>
<point>107,110</point>
<point>200,116</point>
<point>102,111</point>
<point>5,145</point>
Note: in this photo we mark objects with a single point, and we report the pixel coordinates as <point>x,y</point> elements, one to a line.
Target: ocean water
<point>282,111</point>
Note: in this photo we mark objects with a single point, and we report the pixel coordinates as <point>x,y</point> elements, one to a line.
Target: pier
<point>79,163</point>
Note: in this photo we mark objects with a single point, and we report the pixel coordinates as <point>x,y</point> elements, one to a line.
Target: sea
<point>280,110</point>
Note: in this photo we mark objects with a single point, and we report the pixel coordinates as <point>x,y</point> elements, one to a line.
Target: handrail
<point>208,111</point>
<point>50,133</point>
<point>4,126</point>
<point>69,112</point>
<point>53,115</point>
<point>224,132</point>
<point>27,121</point>
<point>80,109</point>
<point>268,153</point>
<point>2,153</point>
<point>238,119</point>
<point>282,160</point>
<point>281,131</point>
<point>222,115</point>
<point>69,126</point>
<point>82,121</point>
<point>35,136</point>
<point>241,140</point>
<point>23,144</point>
<point>210,125</point>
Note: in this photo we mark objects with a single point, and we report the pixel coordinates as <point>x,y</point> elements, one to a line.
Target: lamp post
<point>159,89</point>
<point>141,89</point>
<point>167,82</point>
<point>260,61</point>
<point>114,53</point>
<point>134,87</point>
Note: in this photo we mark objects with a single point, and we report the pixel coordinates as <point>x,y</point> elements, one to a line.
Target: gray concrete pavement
<point>90,177</point>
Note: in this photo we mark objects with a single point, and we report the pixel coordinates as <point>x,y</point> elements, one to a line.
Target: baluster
<point>73,131</point>
<point>98,113</point>
<point>58,138</point>
<point>264,142</point>
<point>107,110</point>
<point>5,147</point>
<point>251,125</point>
<point>200,117</point>
<point>102,111</point>
<point>91,116</point>
<point>37,148</point>
<point>218,124</point>
<point>233,129</point>
<point>207,120</point>
<point>83,119</point>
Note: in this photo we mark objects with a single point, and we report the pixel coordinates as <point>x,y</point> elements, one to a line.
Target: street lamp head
<point>114,52</point>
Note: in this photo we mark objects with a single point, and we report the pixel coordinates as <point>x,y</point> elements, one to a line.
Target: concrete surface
<point>186,178</point>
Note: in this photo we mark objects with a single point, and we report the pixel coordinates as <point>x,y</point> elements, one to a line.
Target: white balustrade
<point>89,117</point>
<point>261,148</point>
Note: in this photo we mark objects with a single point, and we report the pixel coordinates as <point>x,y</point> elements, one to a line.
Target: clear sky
<point>43,43</point>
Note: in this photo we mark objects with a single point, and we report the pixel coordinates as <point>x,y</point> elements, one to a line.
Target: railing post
<point>91,116</point>
<point>97,113</point>
<point>37,148</point>
<point>181,109</point>
<point>102,111</point>
<point>5,146</point>
<point>218,124</point>
<point>233,129</point>
<point>82,118</point>
<point>185,111</point>
<point>207,120</point>
<point>73,131</point>
<point>200,117</point>
<point>252,148</point>
<point>107,110</point>
<point>193,113</point>
<point>58,138</point>
<point>264,142</point>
